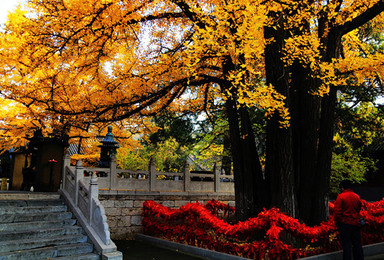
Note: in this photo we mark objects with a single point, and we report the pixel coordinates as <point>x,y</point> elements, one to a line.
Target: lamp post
<point>108,148</point>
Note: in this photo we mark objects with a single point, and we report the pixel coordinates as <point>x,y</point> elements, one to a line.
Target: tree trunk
<point>324,160</point>
<point>279,170</point>
<point>305,109</point>
<point>250,190</point>
<point>298,159</point>
<point>326,131</point>
<point>226,162</point>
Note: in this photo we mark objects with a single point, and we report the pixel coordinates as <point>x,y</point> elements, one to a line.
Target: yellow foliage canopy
<point>92,61</point>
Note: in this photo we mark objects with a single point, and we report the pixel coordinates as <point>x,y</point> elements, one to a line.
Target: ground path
<point>136,250</point>
<point>139,250</point>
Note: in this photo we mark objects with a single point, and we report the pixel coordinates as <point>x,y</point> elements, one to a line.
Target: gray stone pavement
<point>376,257</point>
<point>137,250</point>
<point>372,252</point>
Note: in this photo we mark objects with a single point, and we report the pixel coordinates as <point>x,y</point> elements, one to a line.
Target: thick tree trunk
<point>279,157</point>
<point>305,109</point>
<point>298,159</point>
<point>324,159</point>
<point>250,191</point>
<point>326,132</point>
<point>227,159</point>
<point>279,167</point>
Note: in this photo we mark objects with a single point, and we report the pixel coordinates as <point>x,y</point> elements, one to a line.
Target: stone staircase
<point>39,226</point>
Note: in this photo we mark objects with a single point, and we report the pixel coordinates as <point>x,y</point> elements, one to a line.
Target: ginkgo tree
<point>109,60</point>
<point>18,123</point>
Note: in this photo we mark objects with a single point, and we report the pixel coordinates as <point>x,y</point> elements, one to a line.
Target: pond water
<point>137,250</point>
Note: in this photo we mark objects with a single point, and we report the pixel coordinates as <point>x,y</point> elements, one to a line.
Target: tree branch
<point>189,13</point>
<point>363,18</point>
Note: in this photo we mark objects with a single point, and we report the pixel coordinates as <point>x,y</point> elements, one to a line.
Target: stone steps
<point>79,257</point>
<point>32,209</point>
<point>78,250</point>
<point>18,195</point>
<point>27,244</point>
<point>17,218</point>
<point>39,226</point>
<point>36,225</point>
<point>41,233</point>
<point>30,202</point>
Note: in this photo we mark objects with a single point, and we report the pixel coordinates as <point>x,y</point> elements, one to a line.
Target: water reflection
<point>137,250</point>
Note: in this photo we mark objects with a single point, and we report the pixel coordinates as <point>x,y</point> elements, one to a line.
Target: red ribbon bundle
<point>270,235</point>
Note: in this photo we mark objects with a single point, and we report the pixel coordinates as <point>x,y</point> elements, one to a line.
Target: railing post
<point>187,177</point>
<point>66,162</point>
<point>78,176</point>
<point>152,174</point>
<point>216,178</point>
<point>93,194</point>
<point>113,173</point>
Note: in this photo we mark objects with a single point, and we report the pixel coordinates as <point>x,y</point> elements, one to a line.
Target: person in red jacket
<point>347,220</point>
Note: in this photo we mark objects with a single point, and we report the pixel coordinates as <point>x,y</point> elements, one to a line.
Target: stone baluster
<point>93,194</point>
<point>113,173</point>
<point>216,178</point>
<point>79,173</point>
<point>187,177</point>
<point>66,162</point>
<point>152,174</point>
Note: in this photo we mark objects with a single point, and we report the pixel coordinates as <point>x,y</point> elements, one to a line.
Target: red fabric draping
<point>270,235</point>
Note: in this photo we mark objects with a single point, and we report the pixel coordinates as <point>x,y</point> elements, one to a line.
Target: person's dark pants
<point>350,241</point>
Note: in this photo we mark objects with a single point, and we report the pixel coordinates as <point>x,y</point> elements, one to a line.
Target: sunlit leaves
<point>106,60</point>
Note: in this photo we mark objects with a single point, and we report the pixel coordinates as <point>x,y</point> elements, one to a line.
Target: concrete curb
<point>328,256</point>
<point>191,250</point>
<point>369,250</point>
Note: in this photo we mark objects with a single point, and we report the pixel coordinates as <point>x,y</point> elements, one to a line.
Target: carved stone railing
<point>115,179</point>
<point>85,205</point>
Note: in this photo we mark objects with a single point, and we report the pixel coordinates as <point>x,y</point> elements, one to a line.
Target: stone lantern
<point>108,149</point>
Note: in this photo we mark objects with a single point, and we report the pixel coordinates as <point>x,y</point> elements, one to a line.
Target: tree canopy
<point>76,57</point>
<point>100,61</point>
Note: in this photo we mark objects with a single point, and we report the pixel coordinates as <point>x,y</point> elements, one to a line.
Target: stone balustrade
<point>84,203</point>
<point>123,192</point>
<point>113,179</point>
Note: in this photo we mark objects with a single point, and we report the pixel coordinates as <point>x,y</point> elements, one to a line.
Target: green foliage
<point>349,165</point>
<point>134,160</point>
<point>210,148</point>
<point>361,124</point>
<point>169,146</point>
<point>371,34</point>
<point>357,128</point>
<point>169,156</point>
<point>207,154</point>
<point>180,128</point>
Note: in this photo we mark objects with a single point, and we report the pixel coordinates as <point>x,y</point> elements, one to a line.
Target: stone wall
<point>123,209</point>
